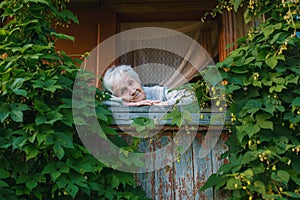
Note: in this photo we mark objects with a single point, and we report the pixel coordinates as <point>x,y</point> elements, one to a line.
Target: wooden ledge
<point>124,115</point>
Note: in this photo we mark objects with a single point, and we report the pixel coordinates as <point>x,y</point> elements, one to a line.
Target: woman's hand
<point>161,103</point>
<point>146,103</point>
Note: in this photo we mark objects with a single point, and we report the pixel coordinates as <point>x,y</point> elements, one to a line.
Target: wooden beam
<point>147,6</point>
<point>137,7</point>
<point>162,16</point>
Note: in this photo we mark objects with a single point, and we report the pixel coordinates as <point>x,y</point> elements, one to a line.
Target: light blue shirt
<point>160,93</point>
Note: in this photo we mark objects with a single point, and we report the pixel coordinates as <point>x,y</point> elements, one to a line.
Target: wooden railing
<point>182,178</point>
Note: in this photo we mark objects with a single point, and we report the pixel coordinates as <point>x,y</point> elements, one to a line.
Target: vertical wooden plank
<point>202,168</point>
<point>231,31</point>
<point>98,71</point>
<point>222,39</point>
<point>217,151</point>
<point>163,177</point>
<point>159,183</point>
<point>232,27</point>
<point>146,180</point>
<point>184,173</point>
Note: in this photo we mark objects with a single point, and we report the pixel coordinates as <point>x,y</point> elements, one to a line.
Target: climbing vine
<point>41,155</point>
<point>262,78</point>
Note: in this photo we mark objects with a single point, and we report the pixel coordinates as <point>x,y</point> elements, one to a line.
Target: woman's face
<point>129,89</point>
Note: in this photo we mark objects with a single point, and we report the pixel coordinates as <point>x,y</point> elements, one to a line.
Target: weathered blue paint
<point>181,180</point>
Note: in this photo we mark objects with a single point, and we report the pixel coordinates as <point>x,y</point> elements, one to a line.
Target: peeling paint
<point>182,180</point>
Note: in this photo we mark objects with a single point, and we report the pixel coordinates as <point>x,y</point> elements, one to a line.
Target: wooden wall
<point>98,24</point>
<point>94,27</point>
<point>232,27</point>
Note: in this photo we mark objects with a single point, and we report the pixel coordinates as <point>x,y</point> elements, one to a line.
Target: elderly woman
<point>125,86</point>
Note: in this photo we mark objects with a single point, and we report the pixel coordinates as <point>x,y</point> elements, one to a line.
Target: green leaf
<point>291,194</point>
<point>296,102</point>
<point>272,62</point>
<point>3,184</point>
<point>49,168</point>
<point>260,187</point>
<point>248,129</point>
<point>64,139</point>
<point>275,38</point>
<point>4,112</point>
<point>256,83</point>
<point>48,118</point>
<point>278,26</point>
<point>137,162</point>
<point>258,169</point>
<point>211,76</point>
<point>240,70</point>
<point>231,88</point>
<point>31,152</point>
<point>73,190</point>
<point>214,181</point>
<point>115,181</point>
<point>109,194</point>
<point>55,175</point>
<point>279,80</point>
<point>233,184</point>
<point>58,150</point>
<point>16,116</point>
<point>48,85</point>
<point>280,57</point>
<point>248,173</point>
<point>20,92</point>
<point>23,178</point>
<point>102,113</point>
<point>138,124</point>
<point>17,83</point>
<point>269,108</point>
<point>61,183</point>
<point>236,4</point>
<point>2,32</point>
<point>37,1</point>
<point>31,184</point>
<point>63,36</point>
<point>63,168</point>
<point>18,107</point>
<point>281,176</point>
<point>249,157</point>
<point>239,61</point>
<point>249,60</point>
<point>175,115</point>
<point>252,106</point>
<point>277,88</point>
<point>124,159</point>
<point>295,69</point>
<point>4,173</point>
<point>291,79</point>
<point>247,16</point>
<point>262,122</point>
<point>19,142</point>
<point>268,30</point>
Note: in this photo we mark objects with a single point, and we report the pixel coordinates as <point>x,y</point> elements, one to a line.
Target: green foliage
<point>262,79</point>
<point>41,155</point>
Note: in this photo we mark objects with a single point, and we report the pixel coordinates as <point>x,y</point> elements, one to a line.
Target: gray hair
<point>116,73</point>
